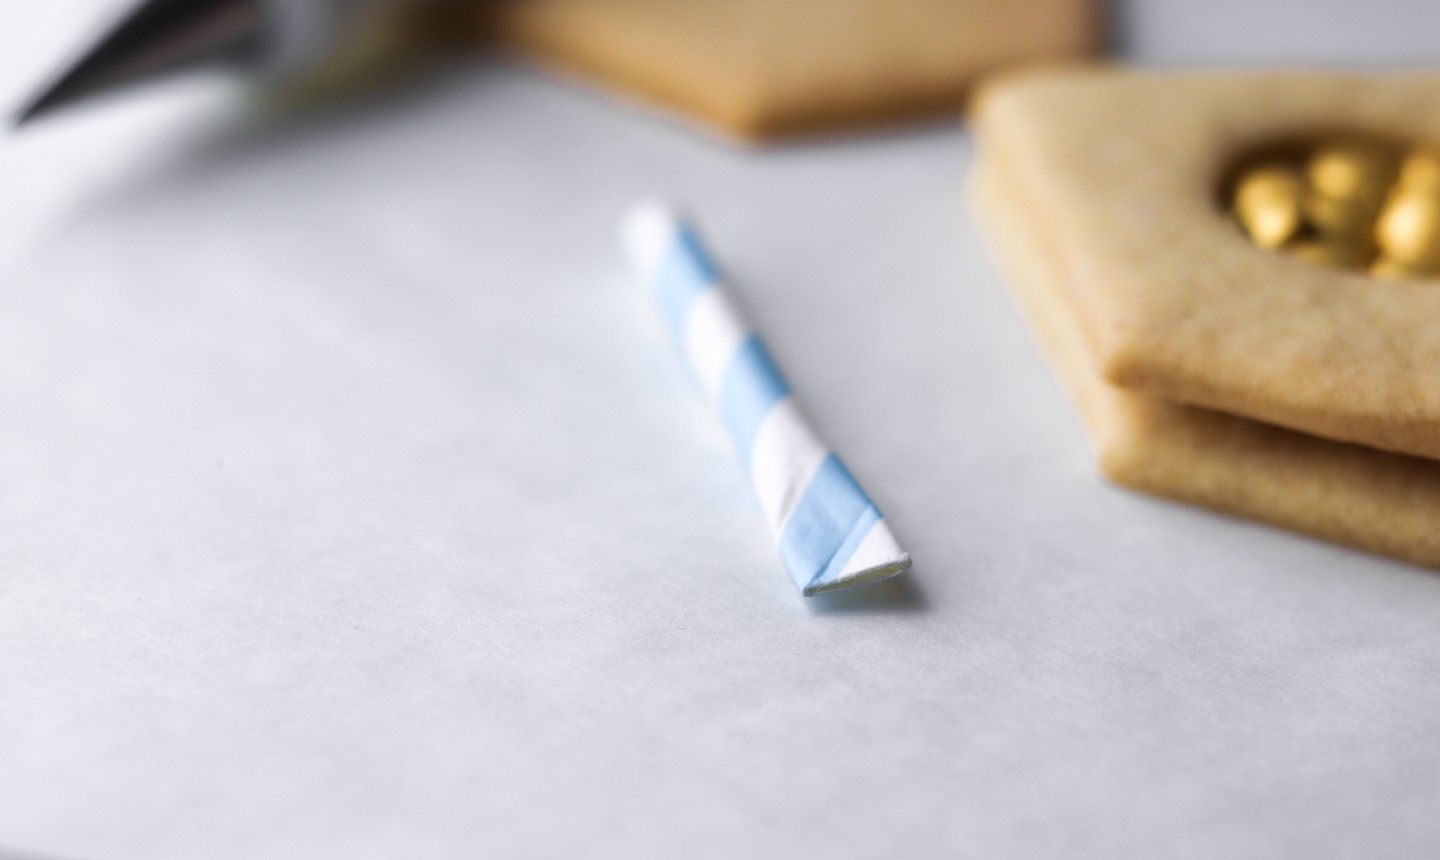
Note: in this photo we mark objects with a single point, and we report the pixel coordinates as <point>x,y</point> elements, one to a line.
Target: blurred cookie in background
<point>761,69</point>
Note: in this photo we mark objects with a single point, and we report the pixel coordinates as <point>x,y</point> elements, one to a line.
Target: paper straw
<point>830,535</point>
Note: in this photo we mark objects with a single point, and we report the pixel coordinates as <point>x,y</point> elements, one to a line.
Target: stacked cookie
<point>1228,368</point>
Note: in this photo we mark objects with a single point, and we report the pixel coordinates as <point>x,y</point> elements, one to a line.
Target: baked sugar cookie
<point>1350,494</point>
<point>761,68</point>
<point>1176,304</point>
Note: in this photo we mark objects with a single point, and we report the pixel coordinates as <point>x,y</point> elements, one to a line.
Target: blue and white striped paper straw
<point>829,533</point>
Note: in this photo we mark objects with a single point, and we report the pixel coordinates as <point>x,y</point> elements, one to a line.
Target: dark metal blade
<point>159,37</point>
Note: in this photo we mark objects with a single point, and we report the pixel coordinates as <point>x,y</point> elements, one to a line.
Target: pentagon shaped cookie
<point>1130,168</point>
<point>762,68</point>
<point>1350,494</point>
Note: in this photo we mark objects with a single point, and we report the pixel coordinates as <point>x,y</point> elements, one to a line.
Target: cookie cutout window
<point>1356,202</point>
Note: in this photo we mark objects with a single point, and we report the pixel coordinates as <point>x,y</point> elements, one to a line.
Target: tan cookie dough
<point>1387,503</point>
<point>1175,304</point>
<point>762,68</point>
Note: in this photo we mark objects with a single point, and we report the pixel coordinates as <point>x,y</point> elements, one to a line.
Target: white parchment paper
<point>352,505</point>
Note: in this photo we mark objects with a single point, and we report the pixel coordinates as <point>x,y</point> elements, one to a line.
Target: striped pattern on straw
<point>829,533</point>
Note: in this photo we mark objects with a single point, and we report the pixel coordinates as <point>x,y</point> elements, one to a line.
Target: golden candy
<point>1349,202</point>
<point>1267,202</point>
<point>1420,171</point>
<point>1351,171</point>
<point>1408,231</point>
<point>1333,216</point>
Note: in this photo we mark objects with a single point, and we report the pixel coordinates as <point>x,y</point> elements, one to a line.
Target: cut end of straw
<point>877,558</point>
<point>648,230</point>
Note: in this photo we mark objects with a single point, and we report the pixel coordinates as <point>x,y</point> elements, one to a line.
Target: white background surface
<point>353,503</point>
